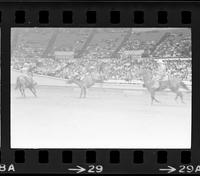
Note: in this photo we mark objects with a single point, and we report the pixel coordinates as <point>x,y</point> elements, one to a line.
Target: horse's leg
<point>153,97</point>
<point>20,89</point>
<point>177,94</point>
<point>81,92</point>
<point>181,96</point>
<point>84,91</point>
<point>152,100</point>
<point>23,92</point>
<point>155,100</point>
<point>33,91</point>
<point>176,97</point>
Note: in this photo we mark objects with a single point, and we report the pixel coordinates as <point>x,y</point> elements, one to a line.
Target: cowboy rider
<point>27,70</point>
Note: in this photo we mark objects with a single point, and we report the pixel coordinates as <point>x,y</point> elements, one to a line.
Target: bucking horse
<point>24,82</point>
<point>86,82</point>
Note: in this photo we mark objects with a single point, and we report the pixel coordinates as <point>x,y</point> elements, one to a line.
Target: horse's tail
<point>184,86</point>
<point>17,83</point>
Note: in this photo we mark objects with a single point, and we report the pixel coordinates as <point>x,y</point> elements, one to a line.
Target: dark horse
<point>152,85</point>
<point>87,82</point>
<point>24,82</point>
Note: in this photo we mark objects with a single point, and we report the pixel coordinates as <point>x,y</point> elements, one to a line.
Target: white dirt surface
<point>107,118</point>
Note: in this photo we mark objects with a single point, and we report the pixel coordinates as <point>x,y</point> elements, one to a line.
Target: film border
<point>113,161</point>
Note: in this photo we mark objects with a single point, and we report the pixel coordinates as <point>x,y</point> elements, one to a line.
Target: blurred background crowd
<point>118,53</point>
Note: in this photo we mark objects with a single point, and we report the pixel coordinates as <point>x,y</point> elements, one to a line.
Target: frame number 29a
<point>182,169</point>
<point>189,169</point>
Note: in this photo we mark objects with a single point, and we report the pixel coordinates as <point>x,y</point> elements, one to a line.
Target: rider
<point>27,71</point>
<point>161,71</point>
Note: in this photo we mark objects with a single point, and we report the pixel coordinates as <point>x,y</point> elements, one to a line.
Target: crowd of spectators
<point>170,45</point>
<point>120,69</point>
<point>97,56</point>
<point>174,45</point>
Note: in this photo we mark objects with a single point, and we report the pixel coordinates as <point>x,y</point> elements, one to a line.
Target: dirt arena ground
<point>107,118</point>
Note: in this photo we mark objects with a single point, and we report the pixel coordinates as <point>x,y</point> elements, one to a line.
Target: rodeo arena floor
<point>111,116</point>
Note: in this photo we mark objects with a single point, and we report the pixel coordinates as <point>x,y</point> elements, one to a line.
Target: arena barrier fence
<point>44,80</point>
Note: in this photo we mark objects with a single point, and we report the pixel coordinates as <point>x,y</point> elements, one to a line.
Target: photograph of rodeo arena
<point>101,87</point>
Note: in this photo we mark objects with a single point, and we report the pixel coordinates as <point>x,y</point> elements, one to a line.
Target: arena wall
<point>52,81</point>
<point>43,80</point>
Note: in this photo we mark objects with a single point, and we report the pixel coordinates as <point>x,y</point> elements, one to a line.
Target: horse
<point>174,84</point>
<point>153,86</point>
<point>24,82</point>
<point>88,81</point>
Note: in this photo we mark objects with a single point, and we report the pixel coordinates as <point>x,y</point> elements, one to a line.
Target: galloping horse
<point>24,82</point>
<point>172,83</point>
<point>87,82</point>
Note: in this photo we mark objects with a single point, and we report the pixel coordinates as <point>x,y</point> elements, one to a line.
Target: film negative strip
<point>100,87</point>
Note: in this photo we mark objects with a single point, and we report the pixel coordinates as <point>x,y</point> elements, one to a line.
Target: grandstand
<point>66,39</point>
<point>99,45</point>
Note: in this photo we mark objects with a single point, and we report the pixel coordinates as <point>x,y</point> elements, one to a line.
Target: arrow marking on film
<point>78,169</point>
<point>170,169</point>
